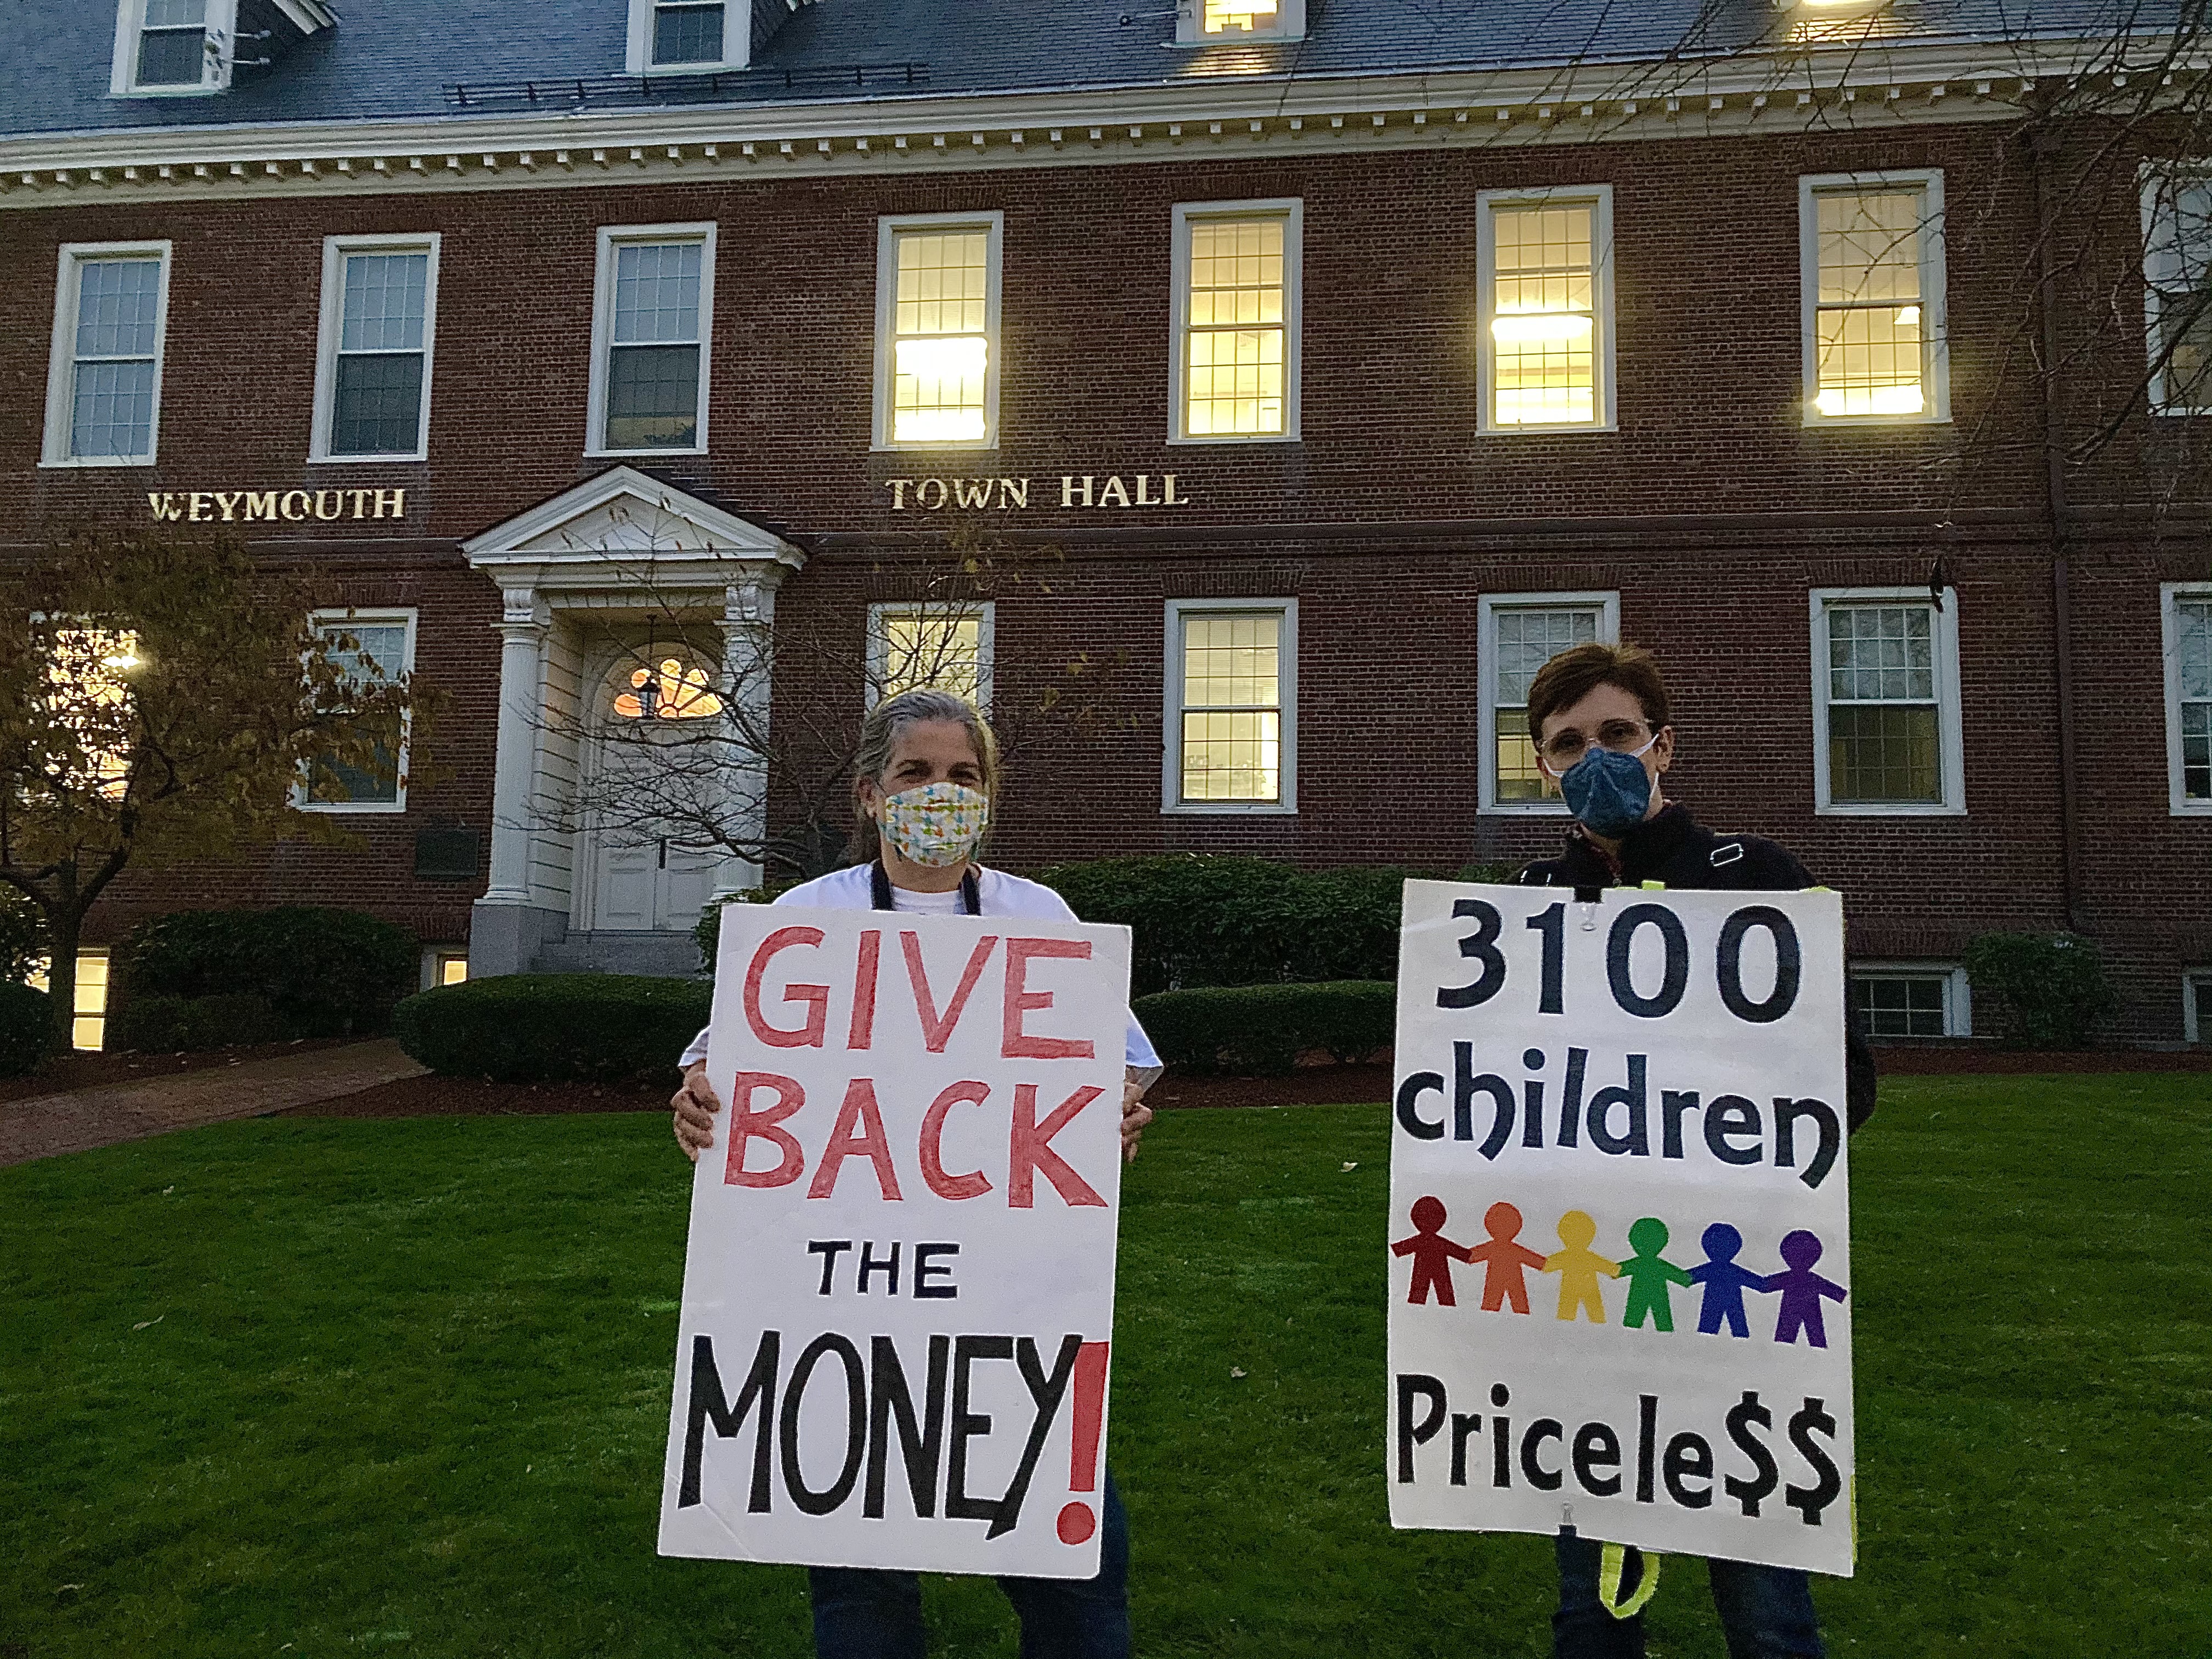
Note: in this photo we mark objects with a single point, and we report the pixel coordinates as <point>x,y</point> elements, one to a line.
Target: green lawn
<point>330,1387</point>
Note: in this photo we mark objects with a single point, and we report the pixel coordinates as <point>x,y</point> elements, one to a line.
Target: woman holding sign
<point>1599,718</point>
<point>926,778</point>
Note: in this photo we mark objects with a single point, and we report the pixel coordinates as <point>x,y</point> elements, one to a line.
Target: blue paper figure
<point>1801,1291</point>
<point>1724,1280</point>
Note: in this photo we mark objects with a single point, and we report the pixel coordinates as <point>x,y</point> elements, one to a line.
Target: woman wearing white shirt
<point>926,776</point>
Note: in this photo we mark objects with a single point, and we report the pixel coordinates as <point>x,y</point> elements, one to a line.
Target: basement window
<point>1924,999</point>
<point>88,1023</point>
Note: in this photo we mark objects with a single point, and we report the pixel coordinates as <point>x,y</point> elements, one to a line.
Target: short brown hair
<point>1574,674</point>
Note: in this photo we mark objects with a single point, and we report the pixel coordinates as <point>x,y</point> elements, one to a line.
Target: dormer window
<point>686,37</point>
<point>1217,22</point>
<point>168,47</point>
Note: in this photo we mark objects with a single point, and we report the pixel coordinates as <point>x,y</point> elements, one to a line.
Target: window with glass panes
<point>655,344</point>
<point>1545,342</point>
<point>939,646</point>
<point>172,44</point>
<point>2192,685</point>
<point>2197,987</point>
<point>1885,742</point>
<point>685,32</point>
<point>1240,17</point>
<point>1231,737</point>
<point>1527,639</point>
<point>2178,289</point>
<point>940,335</point>
<point>114,357</point>
<point>377,372</point>
<point>1869,313</point>
<point>377,653</point>
<point>1234,344</point>
<point>1901,1004</point>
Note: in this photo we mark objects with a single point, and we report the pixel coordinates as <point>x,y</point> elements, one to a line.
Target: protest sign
<point>1620,1232</point>
<point>898,1292</point>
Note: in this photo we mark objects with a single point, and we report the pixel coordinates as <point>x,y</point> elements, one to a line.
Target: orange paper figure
<point>1579,1268</point>
<point>1505,1260</point>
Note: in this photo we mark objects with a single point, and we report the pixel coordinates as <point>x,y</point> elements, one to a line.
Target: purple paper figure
<point>1801,1291</point>
<point>1725,1281</point>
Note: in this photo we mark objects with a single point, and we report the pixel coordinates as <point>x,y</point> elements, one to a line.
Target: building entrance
<point>640,873</point>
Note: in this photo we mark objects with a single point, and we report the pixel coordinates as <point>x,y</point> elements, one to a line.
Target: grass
<point>325,1387</point>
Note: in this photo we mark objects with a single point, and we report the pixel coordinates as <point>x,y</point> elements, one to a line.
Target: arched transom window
<point>670,688</point>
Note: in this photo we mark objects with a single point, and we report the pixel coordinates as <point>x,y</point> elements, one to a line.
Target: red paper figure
<point>1432,1252</point>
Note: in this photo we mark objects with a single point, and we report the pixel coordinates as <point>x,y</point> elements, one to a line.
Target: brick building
<point>1338,362</point>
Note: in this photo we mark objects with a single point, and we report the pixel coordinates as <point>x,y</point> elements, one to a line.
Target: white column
<point>748,627</point>
<point>522,631</point>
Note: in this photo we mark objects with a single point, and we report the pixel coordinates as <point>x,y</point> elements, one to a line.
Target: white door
<point>644,876</point>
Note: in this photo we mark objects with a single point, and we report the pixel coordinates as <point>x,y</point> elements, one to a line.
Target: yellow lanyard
<point>1611,1561</point>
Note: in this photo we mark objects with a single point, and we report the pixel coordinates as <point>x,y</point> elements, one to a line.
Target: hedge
<point>169,1024</point>
<point>1220,918</point>
<point>537,1027</point>
<point>1267,1029</point>
<point>324,972</point>
<point>27,1027</point>
<point>2053,986</point>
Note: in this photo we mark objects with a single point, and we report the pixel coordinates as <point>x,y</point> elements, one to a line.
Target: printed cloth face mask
<point>938,825</point>
<point>1608,790</point>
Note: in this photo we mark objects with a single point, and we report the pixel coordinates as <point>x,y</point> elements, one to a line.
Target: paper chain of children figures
<point>1649,1273</point>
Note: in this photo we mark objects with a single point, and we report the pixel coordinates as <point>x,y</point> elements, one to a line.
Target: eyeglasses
<point>1565,748</point>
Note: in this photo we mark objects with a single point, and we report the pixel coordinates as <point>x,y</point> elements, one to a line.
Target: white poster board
<point>1619,1221</point>
<point>898,1291</point>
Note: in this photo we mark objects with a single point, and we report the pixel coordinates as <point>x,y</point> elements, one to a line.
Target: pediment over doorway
<point>624,528</point>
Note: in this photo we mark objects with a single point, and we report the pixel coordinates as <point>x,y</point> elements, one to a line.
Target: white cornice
<point>1872,86</point>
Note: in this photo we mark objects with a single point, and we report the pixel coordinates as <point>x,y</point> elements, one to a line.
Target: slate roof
<point>389,59</point>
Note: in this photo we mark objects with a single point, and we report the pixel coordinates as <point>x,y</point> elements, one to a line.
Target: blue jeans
<point>862,1612</point>
<point>1767,1613</point>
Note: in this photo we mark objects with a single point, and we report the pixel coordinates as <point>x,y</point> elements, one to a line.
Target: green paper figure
<point>1648,1275</point>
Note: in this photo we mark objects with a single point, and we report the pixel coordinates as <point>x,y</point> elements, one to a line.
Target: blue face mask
<point>1608,790</point>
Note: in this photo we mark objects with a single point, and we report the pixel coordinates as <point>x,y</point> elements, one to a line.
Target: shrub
<point>22,937</point>
<point>535,1028</point>
<point>1265,1029</point>
<point>325,972</point>
<point>1217,919</point>
<point>27,1026</point>
<point>2053,985</point>
<point>708,930</point>
<point>163,1024</point>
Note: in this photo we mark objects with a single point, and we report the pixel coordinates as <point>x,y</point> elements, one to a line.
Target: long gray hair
<point>888,722</point>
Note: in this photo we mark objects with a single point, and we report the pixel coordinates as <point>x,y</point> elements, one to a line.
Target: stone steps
<point>661,955</point>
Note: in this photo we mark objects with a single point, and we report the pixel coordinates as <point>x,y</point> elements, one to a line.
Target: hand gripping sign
<point>1619,1229</point>
<point>898,1292</point>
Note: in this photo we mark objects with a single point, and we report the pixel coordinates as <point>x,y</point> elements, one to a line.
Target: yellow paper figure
<point>1578,1266</point>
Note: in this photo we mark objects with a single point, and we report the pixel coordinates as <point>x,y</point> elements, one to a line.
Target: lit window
<point>453,970</point>
<point>1545,266</point>
<point>653,315</point>
<point>104,386</point>
<point>1520,633</point>
<point>1245,14</point>
<point>1886,694</point>
<point>368,649</point>
<point>89,670</point>
<point>167,47</point>
<point>687,35</point>
<point>2177,213</point>
<point>1237,308</point>
<point>947,646</point>
<point>2187,626</point>
<point>1905,1002</point>
<point>89,1014</point>
<point>1229,697</point>
<point>373,373</point>
<point>669,689</point>
<point>1874,303</point>
<point>1205,22</point>
<point>937,327</point>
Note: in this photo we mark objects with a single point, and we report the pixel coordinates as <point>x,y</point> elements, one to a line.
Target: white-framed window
<point>383,650</point>
<point>104,375</point>
<point>380,322</point>
<point>937,330</point>
<point>1886,706</point>
<point>1912,1000</point>
<point>688,37</point>
<point>1219,22</point>
<point>1544,265</point>
<point>930,643</point>
<point>652,312</point>
<point>2185,628</point>
<point>1876,349</point>
<point>444,964</point>
<point>1234,378</point>
<point>1516,635</point>
<point>171,48</point>
<point>2196,1005</point>
<point>2177,227</point>
<point>1231,706</point>
<point>88,1013</point>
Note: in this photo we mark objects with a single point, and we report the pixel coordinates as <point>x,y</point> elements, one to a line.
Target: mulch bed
<point>64,1072</point>
<point>433,1096</point>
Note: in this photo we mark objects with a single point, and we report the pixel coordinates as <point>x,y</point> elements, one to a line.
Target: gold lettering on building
<point>294,505</point>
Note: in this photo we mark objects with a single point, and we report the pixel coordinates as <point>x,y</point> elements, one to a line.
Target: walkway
<point>105,1116</point>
